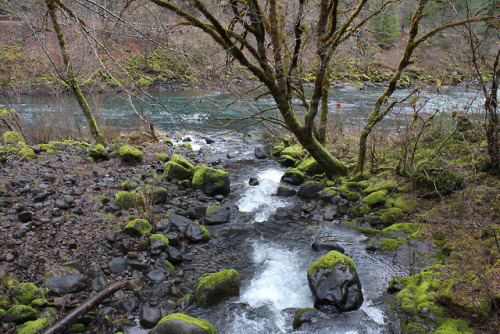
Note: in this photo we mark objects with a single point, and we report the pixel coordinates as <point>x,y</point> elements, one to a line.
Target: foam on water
<point>262,198</point>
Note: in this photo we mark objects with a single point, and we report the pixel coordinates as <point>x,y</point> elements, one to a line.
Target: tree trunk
<point>71,78</point>
<point>493,126</point>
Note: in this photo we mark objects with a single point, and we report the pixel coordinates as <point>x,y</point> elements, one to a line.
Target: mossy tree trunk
<point>69,76</point>
<point>258,38</point>
<point>493,125</point>
<point>383,105</point>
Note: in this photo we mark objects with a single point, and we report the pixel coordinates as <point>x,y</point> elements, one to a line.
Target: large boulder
<point>310,166</point>
<point>180,323</point>
<point>293,176</point>
<point>130,154</point>
<point>176,171</point>
<point>211,181</point>
<point>213,288</point>
<point>334,283</point>
<point>310,189</point>
<point>64,279</point>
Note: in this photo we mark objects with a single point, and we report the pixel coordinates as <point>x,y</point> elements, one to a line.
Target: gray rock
<point>25,216</point>
<point>259,153</point>
<point>194,233</point>
<point>253,181</point>
<point>157,243</point>
<point>284,191</point>
<point>99,283</point>
<point>127,305</point>
<point>118,265</point>
<point>64,279</point>
<point>149,315</point>
<point>179,221</point>
<point>157,276</point>
<point>217,215</point>
<point>310,190</point>
<point>306,315</point>
<point>329,214</point>
<point>173,254</point>
<point>328,246</point>
<point>61,204</point>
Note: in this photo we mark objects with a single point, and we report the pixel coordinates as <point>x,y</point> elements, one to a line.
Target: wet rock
<point>179,221</point>
<point>77,211</point>
<point>149,315</point>
<point>284,191</point>
<point>137,228</point>
<point>160,291</point>
<point>118,265</point>
<point>308,314</point>
<point>185,301</point>
<point>214,288</point>
<point>334,283</point>
<point>197,211</point>
<point>157,276</point>
<point>342,208</point>
<point>127,305</point>
<point>329,214</point>
<point>195,233</point>
<point>253,181</point>
<point>64,279</point>
<point>211,181</point>
<point>310,190</point>
<point>293,176</point>
<point>42,196</point>
<point>173,254</point>
<point>158,241</point>
<point>373,220</point>
<point>181,323</point>
<point>24,216</point>
<point>217,215</point>
<point>209,140</point>
<point>259,153</point>
<point>327,246</point>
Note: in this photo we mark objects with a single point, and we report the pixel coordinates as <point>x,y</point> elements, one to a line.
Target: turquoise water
<point>208,111</point>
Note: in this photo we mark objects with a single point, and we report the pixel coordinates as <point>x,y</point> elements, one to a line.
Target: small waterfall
<point>262,199</point>
<point>280,282</point>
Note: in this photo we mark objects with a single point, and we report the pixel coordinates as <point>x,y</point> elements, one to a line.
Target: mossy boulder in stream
<point>211,181</point>
<point>293,176</point>
<point>334,283</point>
<point>214,288</point>
<point>180,323</point>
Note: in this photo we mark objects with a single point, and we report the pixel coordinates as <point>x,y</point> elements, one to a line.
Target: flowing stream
<point>269,242</point>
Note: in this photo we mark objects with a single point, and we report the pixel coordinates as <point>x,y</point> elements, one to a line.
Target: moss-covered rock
<point>167,142</point>
<point>377,198</point>
<point>21,313</point>
<point>98,152</point>
<point>175,171</point>
<point>128,185</point>
<point>295,151</point>
<point>348,193</point>
<point>138,227</point>
<point>293,176</point>
<point>388,185</point>
<point>391,216</point>
<point>162,157</point>
<point>129,199</point>
<point>334,283</point>
<point>154,194</point>
<point>26,152</point>
<point>360,210</point>
<point>12,138</point>
<point>406,204</point>
<point>440,177</point>
<point>211,181</point>
<point>216,287</point>
<point>130,154</point>
<point>158,241</point>
<point>182,323</point>
<point>310,166</point>
<point>64,279</point>
<point>33,327</point>
<point>25,293</point>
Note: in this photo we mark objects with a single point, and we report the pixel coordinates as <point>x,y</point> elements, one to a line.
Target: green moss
<point>309,166</point>
<point>77,328</point>
<point>205,175</point>
<point>348,193</point>
<point>33,327</point>
<point>405,204</point>
<point>294,174</point>
<point>101,199</point>
<point>205,236</point>
<point>179,159</point>
<point>162,157</point>
<point>130,154</point>
<point>26,153</point>
<point>195,321</point>
<point>212,210</point>
<point>12,138</point>
<point>330,261</point>
<point>360,210</point>
<point>276,150</point>
<point>128,199</point>
<point>376,198</point>
<point>454,326</point>
<point>140,225</point>
<point>391,216</point>
<point>384,245</point>
<point>161,237</point>
<point>4,301</point>
<point>361,176</point>
<point>368,231</point>
<point>388,185</point>
<point>21,313</point>
<point>25,293</point>
<point>211,280</point>
<point>169,265</point>
<point>402,227</point>
<point>168,142</point>
<point>295,151</point>
<point>97,152</point>
<point>128,185</point>
<point>186,146</point>
<point>173,170</point>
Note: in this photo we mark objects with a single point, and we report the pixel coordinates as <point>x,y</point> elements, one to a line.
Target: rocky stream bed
<point>65,226</point>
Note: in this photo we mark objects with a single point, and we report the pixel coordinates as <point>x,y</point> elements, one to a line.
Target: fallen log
<point>81,310</point>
